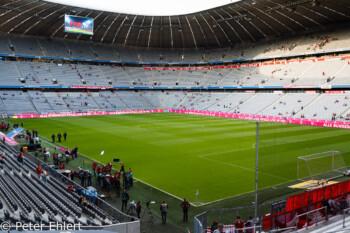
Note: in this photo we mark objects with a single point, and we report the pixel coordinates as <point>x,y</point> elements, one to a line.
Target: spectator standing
<point>131,177</point>
<point>20,158</point>
<point>53,136</point>
<point>248,224</point>
<point>239,224</point>
<point>45,175</point>
<point>94,165</point>
<point>127,180</point>
<point>38,171</point>
<point>109,167</point>
<point>82,178</point>
<point>138,209</point>
<point>220,228</point>
<point>65,136</point>
<point>109,186</point>
<point>67,155</point>
<point>125,199</point>
<point>1,159</point>
<point>185,205</point>
<point>164,211</point>
<point>75,152</point>
<point>88,175</point>
<point>117,185</point>
<point>214,226</point>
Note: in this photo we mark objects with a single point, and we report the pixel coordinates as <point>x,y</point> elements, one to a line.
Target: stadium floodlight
<point>327,165</point>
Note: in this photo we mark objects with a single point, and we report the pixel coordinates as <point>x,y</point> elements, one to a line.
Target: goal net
<point>326,165</point>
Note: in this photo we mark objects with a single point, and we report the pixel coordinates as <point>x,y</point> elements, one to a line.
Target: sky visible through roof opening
<point>147,7</point>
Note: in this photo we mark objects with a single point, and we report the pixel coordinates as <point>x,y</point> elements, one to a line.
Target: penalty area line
<point>237,166</point>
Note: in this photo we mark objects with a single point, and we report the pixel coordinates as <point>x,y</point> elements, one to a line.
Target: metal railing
<point>310,212</point>
<point>295,228</point>
<point>345,211</point>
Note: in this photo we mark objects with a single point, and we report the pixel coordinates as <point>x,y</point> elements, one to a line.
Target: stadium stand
<point>27,199</point>
<point>257,57</point>
<point>304,105</point>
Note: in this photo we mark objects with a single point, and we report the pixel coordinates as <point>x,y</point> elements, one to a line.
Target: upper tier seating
<point>76,49</point>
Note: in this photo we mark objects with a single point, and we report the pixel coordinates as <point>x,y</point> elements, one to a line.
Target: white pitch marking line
<point>245,168</point>
<point>223,152</point>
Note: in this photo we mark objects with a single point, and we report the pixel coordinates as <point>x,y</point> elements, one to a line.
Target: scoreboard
<point>78,24</point>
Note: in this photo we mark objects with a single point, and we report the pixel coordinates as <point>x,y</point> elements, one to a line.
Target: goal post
<point>326,165</point>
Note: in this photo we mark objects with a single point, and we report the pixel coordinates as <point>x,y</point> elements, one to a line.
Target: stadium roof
<point>246,20</point>
<point>149,7</point>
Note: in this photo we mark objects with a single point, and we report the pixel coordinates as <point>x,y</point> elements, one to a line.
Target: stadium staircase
<point>343,114</point>
<point>147,101</point>
<point>233,107</point>
<point>338,71</point>
<point>214,104</point>
<point>42,48</point>
<point>28,97</point>
<point>182,101</point>
<point>180,74</point>
<point>204,77</point>
<point>310,103</point>
<point>93,99</point>
<point>227,75</point>
<point>268,106</point>
<point>65,102</point>
<point>49,73</point>
<point>128,76</point>
<point>306,70</point>
<point>101,71</point>
<point>122,100</point>
<point>17,70</point>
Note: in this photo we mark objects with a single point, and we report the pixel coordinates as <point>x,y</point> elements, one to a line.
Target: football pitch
<point>180,153</point>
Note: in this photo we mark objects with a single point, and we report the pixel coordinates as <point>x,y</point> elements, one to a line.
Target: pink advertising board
<point>288,120</point>
<point>32,115</point>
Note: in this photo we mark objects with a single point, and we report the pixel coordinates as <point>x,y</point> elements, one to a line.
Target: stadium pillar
<point>256,169</point>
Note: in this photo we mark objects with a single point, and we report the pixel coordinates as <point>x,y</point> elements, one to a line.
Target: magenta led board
<point>78,24</point>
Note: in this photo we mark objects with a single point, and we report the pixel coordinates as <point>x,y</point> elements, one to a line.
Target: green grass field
<point>182,153</point>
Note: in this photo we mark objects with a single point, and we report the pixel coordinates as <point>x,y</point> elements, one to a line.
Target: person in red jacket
<point>109,168</point>
<point>239,224</point>
<point>38,171</point>
<point>94,165</point>
<point>98,169</point>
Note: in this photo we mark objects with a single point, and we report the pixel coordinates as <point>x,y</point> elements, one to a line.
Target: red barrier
<point>303,202</point>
